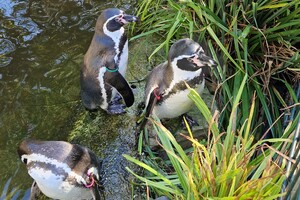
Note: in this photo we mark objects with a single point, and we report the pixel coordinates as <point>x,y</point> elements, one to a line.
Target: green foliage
<point>255,46</point>
<point>233,168</point>
<point>11,191</point>
<point>246,38</point>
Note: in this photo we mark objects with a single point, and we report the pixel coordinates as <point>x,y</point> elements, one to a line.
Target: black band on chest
<point>180,86</point>
<point>122,42</point>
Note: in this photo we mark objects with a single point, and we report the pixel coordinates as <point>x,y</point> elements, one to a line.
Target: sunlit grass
<point>14,193</point>
<point>235,167</point>
<point>246,38</point>
<point>255,45</point>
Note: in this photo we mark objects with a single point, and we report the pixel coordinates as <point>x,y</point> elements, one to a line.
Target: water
<point>41,47</point>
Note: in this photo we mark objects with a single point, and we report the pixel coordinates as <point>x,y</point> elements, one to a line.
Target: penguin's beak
<point>129,18</point>
<point>207,60</point>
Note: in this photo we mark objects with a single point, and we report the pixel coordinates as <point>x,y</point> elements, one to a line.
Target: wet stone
<point>116,179</point>
<point>6,47</point>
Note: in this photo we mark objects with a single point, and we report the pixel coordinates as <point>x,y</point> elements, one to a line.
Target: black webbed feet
<point>115,108</point>
<point>191,122</point>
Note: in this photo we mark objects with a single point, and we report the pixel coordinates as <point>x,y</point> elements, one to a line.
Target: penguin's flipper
<point>116,80</point>
<point>35,192</point>
<point>153,99</point>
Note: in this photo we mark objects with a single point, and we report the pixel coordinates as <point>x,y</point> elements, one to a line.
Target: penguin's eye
<point>24,160</point>
<point>199,50</point>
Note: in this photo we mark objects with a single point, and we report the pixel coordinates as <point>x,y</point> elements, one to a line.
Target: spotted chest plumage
<point>166,91</point>
<point>195,83</point>
<point>174,100</point>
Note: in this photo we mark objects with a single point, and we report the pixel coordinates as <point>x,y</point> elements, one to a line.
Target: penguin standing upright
<point>105,63</point>
<point>61,170</point>
<point>166,93</point>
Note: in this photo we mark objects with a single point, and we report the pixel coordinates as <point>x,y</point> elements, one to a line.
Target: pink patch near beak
<point>196,61</point>
<point>122,20</point>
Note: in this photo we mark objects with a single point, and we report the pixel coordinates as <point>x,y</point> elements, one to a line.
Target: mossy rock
<point>111,136</point>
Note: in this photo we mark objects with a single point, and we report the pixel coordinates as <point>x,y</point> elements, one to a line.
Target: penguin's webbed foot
<point>191,122</point>
<point>116,109</point>
<point>116,99</point>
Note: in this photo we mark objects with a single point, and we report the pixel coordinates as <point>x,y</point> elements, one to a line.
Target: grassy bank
<point>250,140</point>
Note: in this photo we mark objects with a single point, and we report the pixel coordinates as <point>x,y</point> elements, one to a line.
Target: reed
<point>255,45</point>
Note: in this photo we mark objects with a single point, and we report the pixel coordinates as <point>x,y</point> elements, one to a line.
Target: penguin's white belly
<point>123,60</point>
<point>122,66</point>
<point>176,105</point>
<point>53,186</point>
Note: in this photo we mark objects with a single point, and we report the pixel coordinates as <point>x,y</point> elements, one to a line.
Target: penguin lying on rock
<point>166,93</point>
<point>61,170</point>
<point>105,63</point>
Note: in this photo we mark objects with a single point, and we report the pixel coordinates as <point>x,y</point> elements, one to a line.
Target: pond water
<point>42,44</point>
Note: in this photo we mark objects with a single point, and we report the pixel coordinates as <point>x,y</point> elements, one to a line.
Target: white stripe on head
<point>200,50</point>
<point>46,173</point>
<point>180,74</point>
<point>115,36</point>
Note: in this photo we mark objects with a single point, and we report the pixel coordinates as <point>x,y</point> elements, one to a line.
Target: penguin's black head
<point>188,55</point>
<point>113,19</point>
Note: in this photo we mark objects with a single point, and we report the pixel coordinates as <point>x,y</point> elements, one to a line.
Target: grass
<point>235,167</point>
<point>15,192</point>
<point>253,38</point>
<point>255,45</point>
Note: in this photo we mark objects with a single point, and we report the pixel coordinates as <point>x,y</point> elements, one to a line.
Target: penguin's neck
<point>115,35</point>
<point>181,74</point>
<point>120,40</point>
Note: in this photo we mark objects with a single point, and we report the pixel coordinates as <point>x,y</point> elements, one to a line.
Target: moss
<point>110,136</point>
<point>98,130</point>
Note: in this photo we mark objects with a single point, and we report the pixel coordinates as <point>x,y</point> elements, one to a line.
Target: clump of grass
<point>258,39</point>
<point>235,167</point>
<point>15,192</point>
<point>255,45</point>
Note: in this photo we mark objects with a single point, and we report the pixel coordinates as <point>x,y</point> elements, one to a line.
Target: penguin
<point>61,170</point>
<point>166,91</point>
<point>105,63</point>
